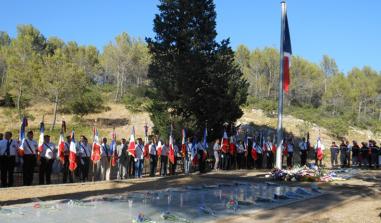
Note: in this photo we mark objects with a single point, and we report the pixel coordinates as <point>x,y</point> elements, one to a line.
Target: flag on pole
<point>183,142</point>
<point>225,142</point>
<point>146,142</point>
<point>171,155</point>
<point>254,153</point>
<point>96,148</point>
<point>131,145</point>
<point>205,144</point>
<point>24,124</point>
<point>41,138</point>
<point>159,147</point>
<point>113,151</point>
<point>61,143</point>
<point>73,153</point>
<point>287,52</point>
<point>319,149</point>
<point>194,152</point>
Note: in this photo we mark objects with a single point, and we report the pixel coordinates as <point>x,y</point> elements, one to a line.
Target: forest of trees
<point>81,79</point>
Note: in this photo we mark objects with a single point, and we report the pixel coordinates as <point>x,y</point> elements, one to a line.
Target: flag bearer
<point>29,147</point>
<point>122,160</point>
<point>66,171</point>
<point>139,159</point>
<point>8,150</point>
<point>84,151</point>
<point>152,157</point>
<point>48,154</point>
<point>105,160</point>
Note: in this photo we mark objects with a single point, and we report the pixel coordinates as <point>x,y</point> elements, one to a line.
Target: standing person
<point>164,159</point>
<point>374,154</point>
<point>303,146</point>
<point>8,150</point>
<point>334,152</point>
<point>348,153</point>
<point>66,171</point>
<point>29,146</point>
<point>152,157</point>
<point>259,153</point>
<point>200,153</point>
<point>355,153</point>
<point>240,154</point>
<point>176,151</point>
<point>290,152</point>
<point>364,152</point>
<point>84,154</point>
<point>188,156</point>
<point>47,158</point>
<point>139,159</point>
<point>216,152</point>
<point>232,155</point>
<point>122,160</point>
<point>319,152</point>
<point>131,165</point>
<point>343,154</point>
<point>105,160</point>
<point>269,154</point>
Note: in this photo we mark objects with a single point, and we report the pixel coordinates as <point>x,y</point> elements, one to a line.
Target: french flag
<point>41,139</point>
<point>113,149</point>
<point>254,153</point>
<point>183,142</point>
<point>73,153</point>
<point>61,143</point>
<point>24,124</point>
<point>319,150</point>
<point>287,52</point>
<point>159,148</point>
<point>205,144</point>
<point>225,142</point>
<point>146,143</point>
<point>171,155</point>
<point>96,148</point>
<point>131,145</point>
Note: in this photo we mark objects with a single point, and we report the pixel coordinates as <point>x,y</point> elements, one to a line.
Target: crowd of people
<point>75,160</point>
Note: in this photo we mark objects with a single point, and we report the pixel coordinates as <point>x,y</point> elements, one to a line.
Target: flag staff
<point>278,163</point>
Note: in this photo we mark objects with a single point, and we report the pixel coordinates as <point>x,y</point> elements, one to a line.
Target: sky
<point>348,31</point>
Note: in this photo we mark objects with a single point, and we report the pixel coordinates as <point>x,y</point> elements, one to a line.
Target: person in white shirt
<point>139,159</point>
<point>217,151</point>
<point>303,152</point>
<point>188,156</point>
<point>29,148</point>
<point>122,160</point>
<point>8,150</point>
<point>201,150</point>
<point>164,159</point>
<point>290,152</point>
<point>258,148</point>
<point>66,172</point>
<point>84,154</point>
<point>105,160</point>
<point>47,158</point>
<point>152,157</point>
<point>240,154</point>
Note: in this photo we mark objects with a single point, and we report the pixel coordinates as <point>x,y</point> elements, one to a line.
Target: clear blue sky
<point>349,31</point>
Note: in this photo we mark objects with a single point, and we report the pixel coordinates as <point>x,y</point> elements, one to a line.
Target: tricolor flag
<point>183,142</point>
<point>146,142</point>
<point>61,143</point>
<point>287,52</point>
<point>159,148</point>
<point>96,148</point>
<point>285,148</point>
<point>73,153</point>
<point>131,145</point>
<point>171,155</point>
<point>24,124</point>
<point>113,151</point>
<point>254,153</point>
<point>319,149</point>
<point>194,156</point>
<point>225,142</point>
<point>205,144</point>
<point>41,139</point>
<point>246,144</point>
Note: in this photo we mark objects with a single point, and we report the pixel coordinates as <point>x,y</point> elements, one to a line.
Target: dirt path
<point>356,200</point>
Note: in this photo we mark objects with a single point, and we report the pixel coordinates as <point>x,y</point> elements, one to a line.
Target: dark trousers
<point>84,166</point>
<point>45,170</point>
<point>259,161</point>
<point>7,166</point>
<point>28,169</point>
<point>225,161</point>
<point>289,159</point>
<point>270,160</point>
<point>152,165</point>
<point>66,172</point>
<point>303,157</point>
<point>201,162</point>
<point>163,165</point>
<point>240,160</point>
<point>131,166</point>
<point>173,167</point>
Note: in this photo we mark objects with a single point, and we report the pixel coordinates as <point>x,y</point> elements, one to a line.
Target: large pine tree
<point>194,78</point>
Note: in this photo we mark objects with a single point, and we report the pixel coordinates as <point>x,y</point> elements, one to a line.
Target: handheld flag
<point>254,153</point>
<point>319,149</point>
<point>183,143</point>
<point>41,139</point>
<point>246,144</point>
<point>171,155</point>
<point>146,143</point>
<point>73,153</point>
<point>285,148</point>
<point>96,148</point>
<point>24,124</point>
<point>194,156</point>
<point>131,145</point>
<point>287,52</point>
<point>225,142</point>
<point>114,152</point>
<point>205,144</point>
<point>159,148</point>
<point>61,143</point>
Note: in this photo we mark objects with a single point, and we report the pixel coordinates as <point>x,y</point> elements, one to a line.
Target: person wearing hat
<point>334,152</point>
<point>105,160</point>
<point>66,172</point>
<point>84,154</point>
<point>303,146</point>
<point>47,154</point>
<point>139,159</point>
<point>122,160</point>
<point>8,150</point>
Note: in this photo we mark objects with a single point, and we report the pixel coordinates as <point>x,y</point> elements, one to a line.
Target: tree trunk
<point>117,86</point>
<point>19,101</point>
<point>359,110</point>
<point>55,113</point>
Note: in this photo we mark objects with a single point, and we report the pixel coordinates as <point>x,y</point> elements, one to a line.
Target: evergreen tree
<point>195,79</point>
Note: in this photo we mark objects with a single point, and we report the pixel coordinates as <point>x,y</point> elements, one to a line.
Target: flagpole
<point>280,99</point>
